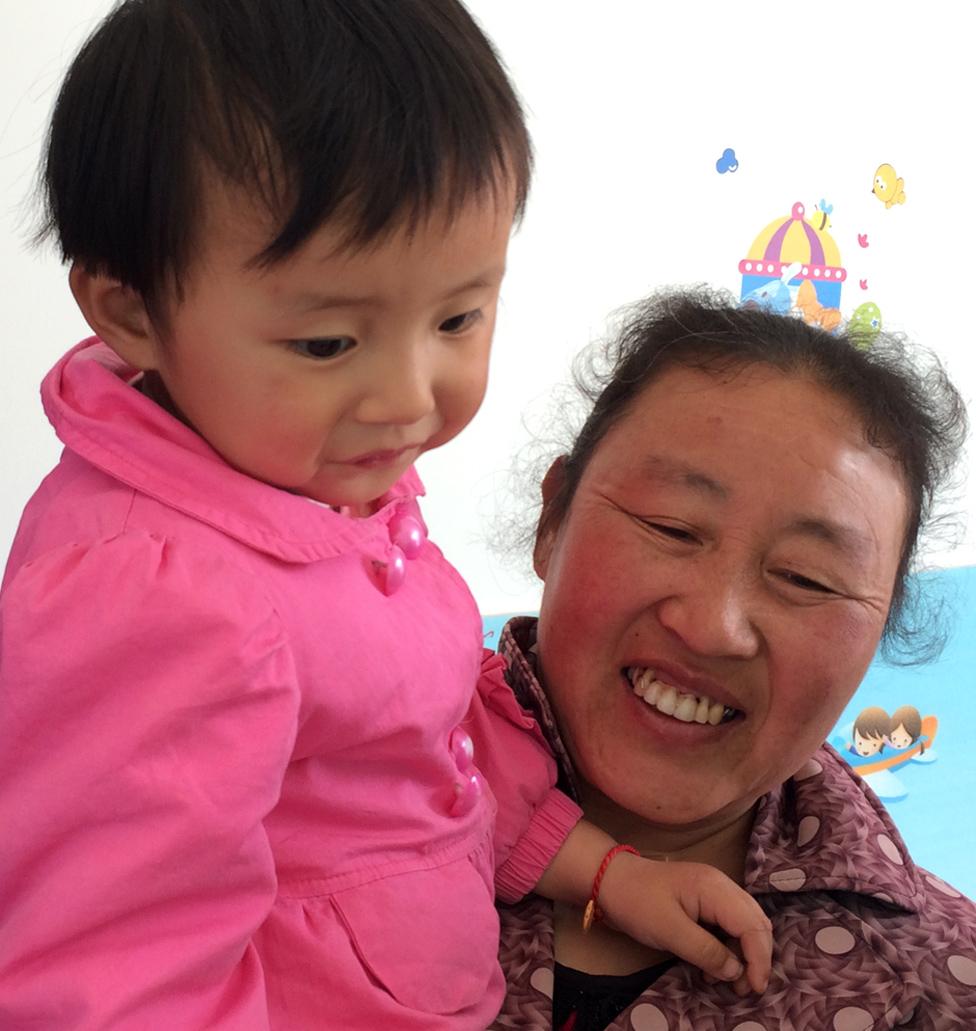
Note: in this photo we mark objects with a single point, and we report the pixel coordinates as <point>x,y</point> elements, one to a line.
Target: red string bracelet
<point>592,913</point>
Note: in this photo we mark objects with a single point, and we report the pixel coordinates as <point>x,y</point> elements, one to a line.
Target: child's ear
<point>117,314</point>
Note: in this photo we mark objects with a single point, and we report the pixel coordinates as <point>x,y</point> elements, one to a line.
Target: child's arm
<point>542,845</point>
<point>148,713</point>
<point>661,905</point>
<point>533,818</point>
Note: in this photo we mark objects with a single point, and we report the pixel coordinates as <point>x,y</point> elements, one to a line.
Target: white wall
<point>631,103</point>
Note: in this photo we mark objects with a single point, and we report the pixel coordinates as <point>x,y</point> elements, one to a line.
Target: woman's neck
<point>721,841</point>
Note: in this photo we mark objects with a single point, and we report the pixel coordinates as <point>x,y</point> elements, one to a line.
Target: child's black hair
<point>374,112</point>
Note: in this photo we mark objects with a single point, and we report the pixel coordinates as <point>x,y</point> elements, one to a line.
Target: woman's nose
<point>400,390</point>
<point>712,618</point>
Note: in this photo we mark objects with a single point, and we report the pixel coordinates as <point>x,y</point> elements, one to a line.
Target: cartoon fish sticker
<point>775,295</point>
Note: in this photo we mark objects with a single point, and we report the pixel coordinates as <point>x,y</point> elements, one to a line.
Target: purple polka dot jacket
<point>863,939</point>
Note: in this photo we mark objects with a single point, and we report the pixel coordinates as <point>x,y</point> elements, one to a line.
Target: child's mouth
<point>374,459</point>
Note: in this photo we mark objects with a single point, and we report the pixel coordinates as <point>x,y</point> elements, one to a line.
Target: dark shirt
<point>591,1002</point>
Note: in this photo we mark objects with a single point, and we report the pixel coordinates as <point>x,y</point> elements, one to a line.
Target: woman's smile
<point>684,706</point>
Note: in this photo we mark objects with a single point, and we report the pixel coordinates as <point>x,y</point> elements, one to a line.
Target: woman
<point>723,550</point>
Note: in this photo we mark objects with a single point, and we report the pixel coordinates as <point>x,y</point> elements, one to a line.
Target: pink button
<point>407,533</point>
<point>467,794</point>
<point>462,748</point>
<point>393,572</point>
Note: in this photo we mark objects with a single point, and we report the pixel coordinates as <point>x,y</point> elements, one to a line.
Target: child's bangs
<point>375,113</point>
<point>381,135</point>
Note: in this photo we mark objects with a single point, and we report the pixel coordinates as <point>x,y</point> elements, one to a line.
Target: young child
<point>237,782</point>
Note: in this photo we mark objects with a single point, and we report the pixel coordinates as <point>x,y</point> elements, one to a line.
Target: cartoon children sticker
<point>870,731</point>
<point>876,744</point>
<point>905,728</point>
<point>874,728</point>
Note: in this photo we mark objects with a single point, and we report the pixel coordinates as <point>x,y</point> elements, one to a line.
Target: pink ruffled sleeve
<point>534,817</point>
<point>147,712</point>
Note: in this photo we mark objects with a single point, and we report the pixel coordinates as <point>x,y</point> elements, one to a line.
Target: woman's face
<point>732,549</point>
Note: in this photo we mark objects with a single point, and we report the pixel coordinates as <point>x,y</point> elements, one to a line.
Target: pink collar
<point>97,415</point>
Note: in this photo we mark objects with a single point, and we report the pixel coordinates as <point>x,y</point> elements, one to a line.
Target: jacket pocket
<point>429,937</point>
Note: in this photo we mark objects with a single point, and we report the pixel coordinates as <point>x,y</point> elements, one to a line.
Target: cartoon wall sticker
<point>775,294</point>
<point>813,311</point>
<point>820,219</point>
<point>888,188</point>
<point>905,728</point>
<point>795,240</point>
<point>728,162</point>
<point>865,324</point>
<point>870,731</point>
<point>876,744</point>
<point>794,264</point>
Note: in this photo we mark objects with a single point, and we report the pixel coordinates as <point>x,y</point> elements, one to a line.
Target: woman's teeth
<point>688,708</point>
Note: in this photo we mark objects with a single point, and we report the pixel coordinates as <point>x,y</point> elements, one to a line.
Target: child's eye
<point>458,323</point>
<point>324,347</point>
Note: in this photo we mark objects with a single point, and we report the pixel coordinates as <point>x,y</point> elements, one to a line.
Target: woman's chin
<point>659,792</point>
<point>670,772</point>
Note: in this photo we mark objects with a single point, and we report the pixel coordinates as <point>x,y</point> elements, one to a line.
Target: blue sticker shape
<point>728,162</point>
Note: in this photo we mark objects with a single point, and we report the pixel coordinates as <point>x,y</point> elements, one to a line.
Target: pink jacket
<point>227,771</point>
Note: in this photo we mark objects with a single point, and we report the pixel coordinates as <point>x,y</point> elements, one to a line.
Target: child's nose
<point>401,391</point>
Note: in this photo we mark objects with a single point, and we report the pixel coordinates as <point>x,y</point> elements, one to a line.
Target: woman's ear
<point>117,314</point>
<point>552,485</point>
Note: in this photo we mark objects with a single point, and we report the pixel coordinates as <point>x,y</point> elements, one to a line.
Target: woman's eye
<point>323,347</point>
<point>458,323</point>
<point>804,582</point>
<point>676,533</point>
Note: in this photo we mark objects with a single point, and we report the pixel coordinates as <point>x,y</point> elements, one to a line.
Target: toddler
<point>238,787</point>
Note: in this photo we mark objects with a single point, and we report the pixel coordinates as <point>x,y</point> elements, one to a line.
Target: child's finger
<point>722,903</point>
<point>702,949</point>
<point>757,948</point>
<point>739,915</point>
<point>741,986</point>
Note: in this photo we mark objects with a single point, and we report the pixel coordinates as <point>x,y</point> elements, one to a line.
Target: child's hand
<point>663,904</point>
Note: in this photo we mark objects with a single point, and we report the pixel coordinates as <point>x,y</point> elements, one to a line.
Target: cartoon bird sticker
<point>888,188</point>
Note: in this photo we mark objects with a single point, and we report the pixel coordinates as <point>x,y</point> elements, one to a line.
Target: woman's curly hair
<point>907,405</point>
